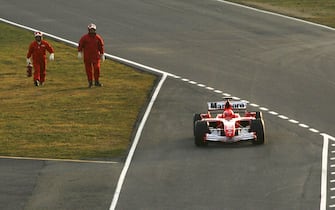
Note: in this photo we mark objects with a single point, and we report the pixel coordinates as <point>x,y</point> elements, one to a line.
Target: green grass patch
<point>64,118</point>
<point>317,11</point>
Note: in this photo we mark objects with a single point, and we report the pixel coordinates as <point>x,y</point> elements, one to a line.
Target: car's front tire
<point>257,126</point>
<point>196,117</point>
<point>200,131</point>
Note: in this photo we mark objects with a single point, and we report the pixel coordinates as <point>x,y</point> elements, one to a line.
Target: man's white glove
<point>80,55</point>
<point>52,57</point>
<point>28,61</point>
<point>102,57</point>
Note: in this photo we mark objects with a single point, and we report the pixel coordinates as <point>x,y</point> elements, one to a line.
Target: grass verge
<point>64,118</point>
<point>317,11</point>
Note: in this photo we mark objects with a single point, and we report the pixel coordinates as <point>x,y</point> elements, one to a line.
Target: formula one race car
<point>228,121</point>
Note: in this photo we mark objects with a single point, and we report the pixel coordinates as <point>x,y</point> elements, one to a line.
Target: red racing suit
<point>38,52</point>
<point>92,45</point>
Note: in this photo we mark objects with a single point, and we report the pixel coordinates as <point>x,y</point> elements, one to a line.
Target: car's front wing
<point>241,137</point>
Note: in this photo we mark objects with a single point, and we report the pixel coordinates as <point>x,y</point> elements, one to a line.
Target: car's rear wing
<point>219,105</point>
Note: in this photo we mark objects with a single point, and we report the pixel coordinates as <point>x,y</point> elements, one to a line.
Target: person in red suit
<point>92,46</point>
<point>37,50</point>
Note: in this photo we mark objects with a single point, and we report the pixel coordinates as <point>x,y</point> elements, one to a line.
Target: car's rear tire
<point>200,130</point>
<point>257,126</point>
<point>196,117</point>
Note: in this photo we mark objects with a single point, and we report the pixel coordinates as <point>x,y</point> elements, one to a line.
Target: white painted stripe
<point>264,109</point>
<point>303,125</point>
<point>218,91</point>
<point>44,33</point>
<point>58,160</point>
<point>273,113</point>
<point>314,130</point>
<point>209,88</point>
<point>283,117</point>
<point>254,105</point>
<point>294,121</point>
<point>324,170</point>
<point>134,145</point>
<point>201,85</point>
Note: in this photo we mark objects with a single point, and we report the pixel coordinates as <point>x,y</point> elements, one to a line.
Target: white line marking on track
<point>293,121</point>
<point>58,160</point>
<point>303,125</point>
<point>134,144</point>
<point>273,113</point>
<point>314,130</point>
<point>254,105</point>
<point>264,109</point>
<point>283,117</point>
<point>324,171</point>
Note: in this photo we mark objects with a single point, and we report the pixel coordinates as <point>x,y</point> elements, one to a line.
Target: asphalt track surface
<point>213,48</point>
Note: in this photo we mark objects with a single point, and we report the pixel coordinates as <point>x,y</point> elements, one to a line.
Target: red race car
<point>228,121</point>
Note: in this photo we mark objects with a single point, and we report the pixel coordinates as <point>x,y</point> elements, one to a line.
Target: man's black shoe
<point>37,83</point>
<point>98,84</point>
